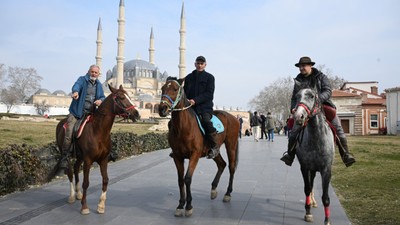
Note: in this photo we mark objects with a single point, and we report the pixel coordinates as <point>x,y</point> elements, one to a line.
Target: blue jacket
<point>80,86</point>
<point>200,87</point>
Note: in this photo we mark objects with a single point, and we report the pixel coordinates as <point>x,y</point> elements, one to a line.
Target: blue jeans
<point>270,134</point>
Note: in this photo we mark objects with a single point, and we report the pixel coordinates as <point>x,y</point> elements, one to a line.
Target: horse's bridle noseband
<point>121,106</point>
<point>171,103</point>
<point>310,112</point>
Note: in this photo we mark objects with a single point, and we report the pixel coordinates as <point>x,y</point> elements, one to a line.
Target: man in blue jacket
<point>86,92</point>
<point>199,88</point>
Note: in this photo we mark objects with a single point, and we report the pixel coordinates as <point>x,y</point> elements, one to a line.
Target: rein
<point>171,103</point>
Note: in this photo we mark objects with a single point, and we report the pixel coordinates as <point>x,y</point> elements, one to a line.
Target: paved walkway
<point>144,190</point>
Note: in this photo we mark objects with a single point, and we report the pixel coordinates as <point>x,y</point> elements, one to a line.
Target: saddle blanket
<point>217,124</point>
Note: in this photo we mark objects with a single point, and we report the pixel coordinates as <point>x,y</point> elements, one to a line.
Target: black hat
<point>305,60</point>
<point>200,59</point>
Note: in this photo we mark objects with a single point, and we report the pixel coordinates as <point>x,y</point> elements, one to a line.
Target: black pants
<point>205,119</point>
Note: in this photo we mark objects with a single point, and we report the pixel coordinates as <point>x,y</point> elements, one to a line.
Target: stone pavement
<point>144,190</point>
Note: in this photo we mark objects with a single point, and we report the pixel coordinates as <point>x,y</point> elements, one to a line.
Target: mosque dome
<point>59,93</point>
<point>43,91</point>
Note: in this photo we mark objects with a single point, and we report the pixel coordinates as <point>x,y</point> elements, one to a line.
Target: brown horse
<point>94,145</point>
<point>187,142</point>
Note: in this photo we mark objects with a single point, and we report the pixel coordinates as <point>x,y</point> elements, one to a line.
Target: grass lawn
<point>369,190</point>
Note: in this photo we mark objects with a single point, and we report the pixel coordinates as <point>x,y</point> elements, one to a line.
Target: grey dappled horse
<point>315,148</point>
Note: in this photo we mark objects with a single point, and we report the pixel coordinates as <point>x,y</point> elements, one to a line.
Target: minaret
<point>121,44</point>
<point>99,43</point>
<point>151,48</point>
<point>182,46</point>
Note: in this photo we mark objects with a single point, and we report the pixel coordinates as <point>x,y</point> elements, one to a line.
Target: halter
<point>171,103</point>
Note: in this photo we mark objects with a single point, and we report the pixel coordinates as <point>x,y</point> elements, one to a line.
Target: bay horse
<point>94,145</point>
<point>187,142</point>
<point>315,147</point>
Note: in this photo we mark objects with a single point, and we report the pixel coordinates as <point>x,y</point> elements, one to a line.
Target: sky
<point>247,44</point>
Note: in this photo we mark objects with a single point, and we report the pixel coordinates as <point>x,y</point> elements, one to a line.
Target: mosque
<point>141,79</point>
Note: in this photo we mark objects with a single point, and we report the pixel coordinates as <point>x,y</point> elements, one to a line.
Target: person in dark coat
<point>199,87</point>
<point>263,127</point>
<point>310,76</point>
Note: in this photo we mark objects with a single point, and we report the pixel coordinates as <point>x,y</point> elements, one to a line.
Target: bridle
<point>310,112</point>
<point>118,103</point>
<point>171,103</point>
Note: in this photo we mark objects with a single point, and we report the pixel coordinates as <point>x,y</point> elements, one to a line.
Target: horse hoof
<point>314,204</point>
<point>227,198</point>
<point>85,211</point>
<point>308,218</point>
<point>100,210</point>
<point>327,223</point>
<point>79,196</point>
<point>214,194</point>
<point>71,199</point>
<point>188,212</point>
<point>179,212</point>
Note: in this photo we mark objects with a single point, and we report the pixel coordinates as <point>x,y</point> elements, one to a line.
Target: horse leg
<point>188,181</point>
<point>86,169</point>
<point>308,177</point>
<point>102,202</point>
<point>233,160</point>
<point>221,164</point>
<point>72,194</point>
<point>326,177</point>
<point>179,163</point>
<point>77,168</point>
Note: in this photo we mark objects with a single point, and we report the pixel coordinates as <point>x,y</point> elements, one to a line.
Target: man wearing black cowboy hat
<point>310,76</point>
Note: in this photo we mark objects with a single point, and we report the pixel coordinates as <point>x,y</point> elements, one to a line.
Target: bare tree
<point>25,81</point>
<point>9,97</point>
<point>336,82</point>
<point>42,108</point>
<point>275,98</point>
<point>2,75</point>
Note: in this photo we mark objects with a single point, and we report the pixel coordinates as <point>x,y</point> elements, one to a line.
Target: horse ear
<point>111,88</point>
<point>120,87</point>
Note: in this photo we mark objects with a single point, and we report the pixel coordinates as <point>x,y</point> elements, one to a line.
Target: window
<point>374,120</point>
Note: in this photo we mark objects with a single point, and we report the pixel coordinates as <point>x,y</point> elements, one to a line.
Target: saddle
<point>217,124</point>
<point>77,131</point>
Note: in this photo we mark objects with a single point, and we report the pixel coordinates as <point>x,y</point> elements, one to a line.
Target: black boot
<point>214,150</point>
<point>113,155</point>
<point>289,155</point>
<point>64,161</point>
<point>347,158</point>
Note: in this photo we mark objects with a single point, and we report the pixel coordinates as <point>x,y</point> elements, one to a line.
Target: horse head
<point>123,105</point>
<point>171,95</point>
<point>308,104</point>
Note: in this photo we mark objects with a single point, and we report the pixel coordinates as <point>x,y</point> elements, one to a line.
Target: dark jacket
<point>80,86</point>
<point>200,87</point>
<point>255,121</point>
<point>322,84</point>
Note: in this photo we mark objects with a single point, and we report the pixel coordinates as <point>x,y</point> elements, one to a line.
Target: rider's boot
<point>113,155</point>
<point>64,161</point>
<point>347,158</point>
<point>289,155</point>
<point>214,149</point>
